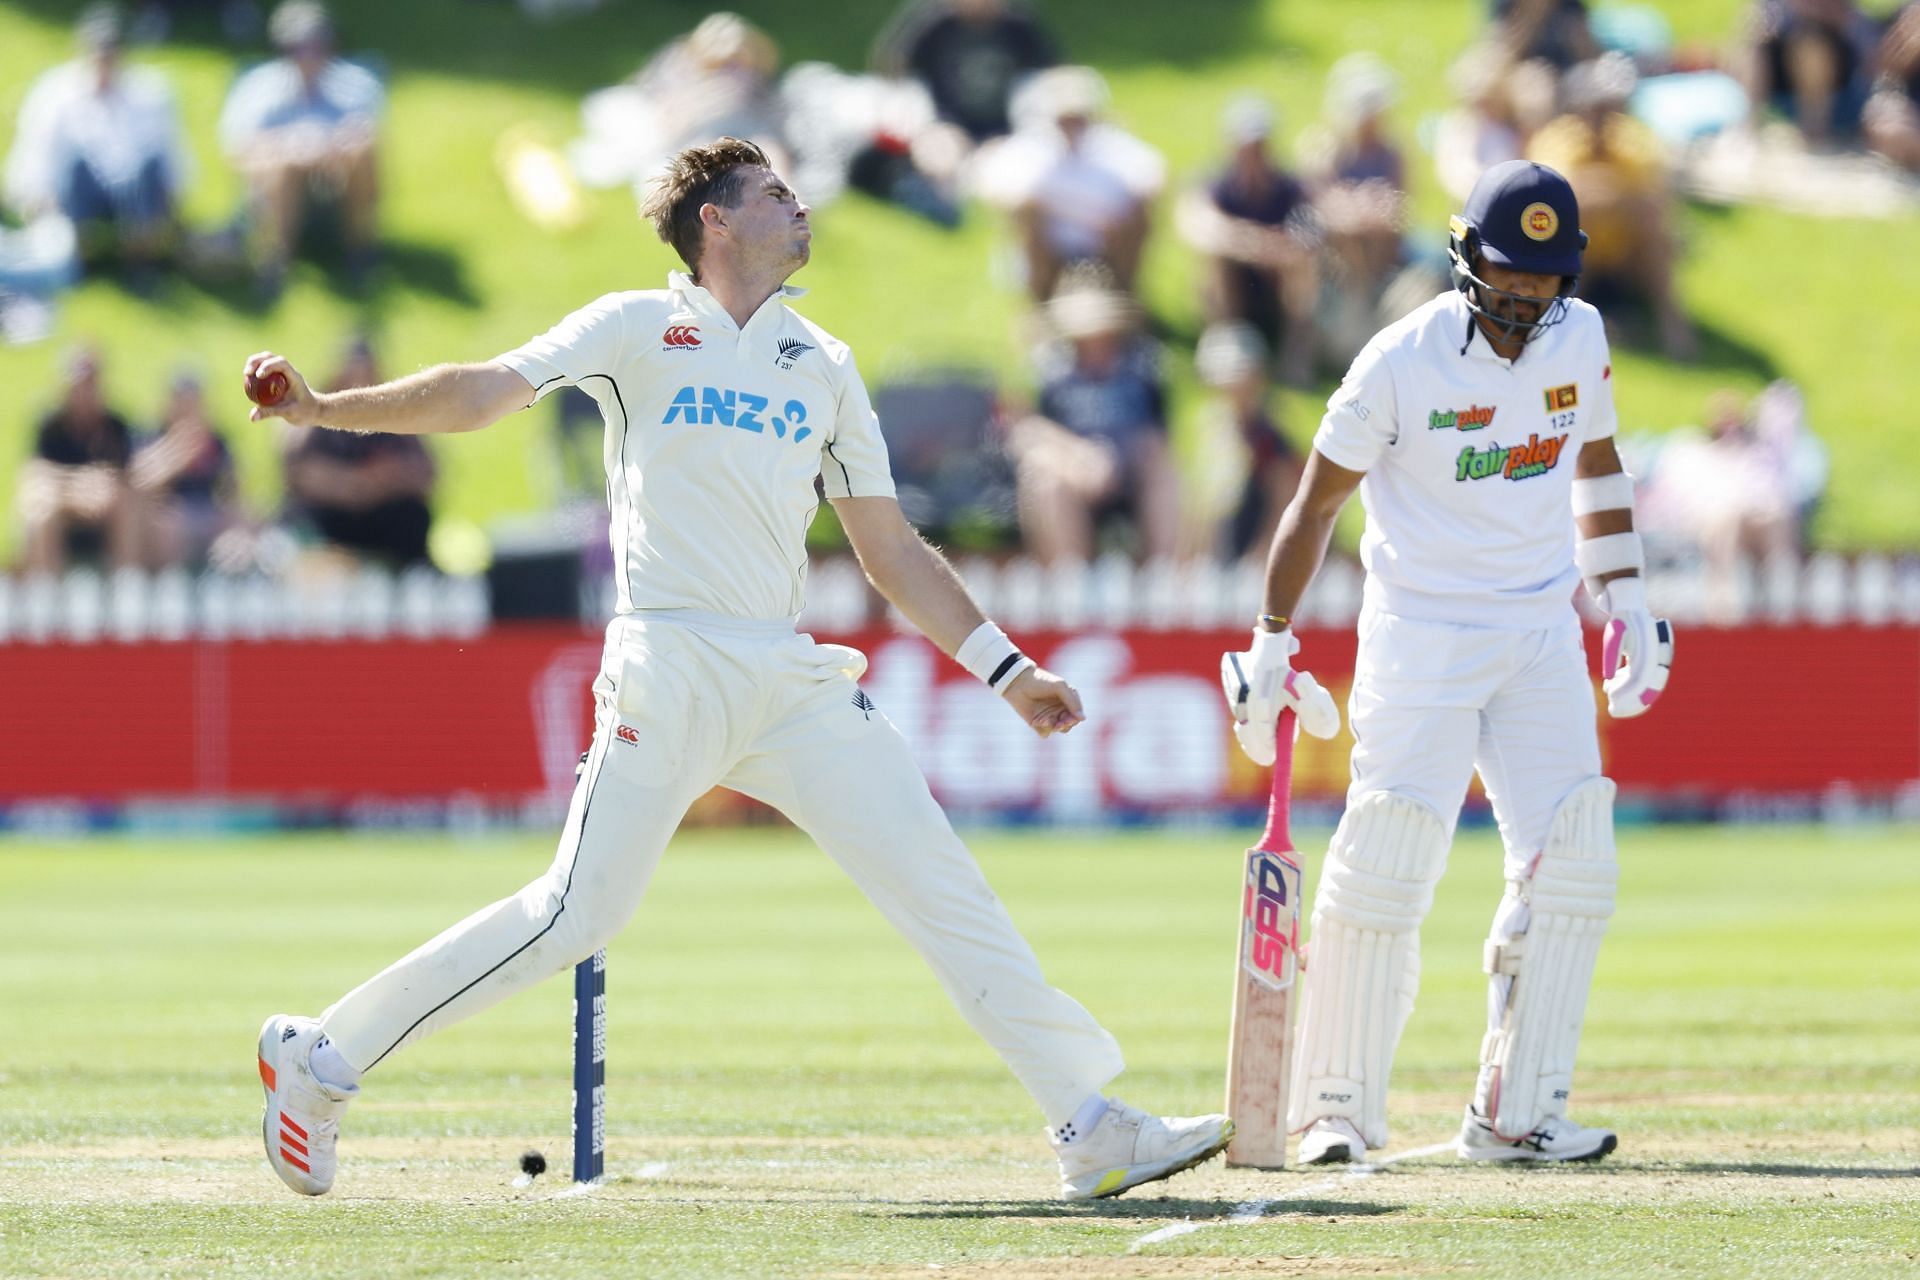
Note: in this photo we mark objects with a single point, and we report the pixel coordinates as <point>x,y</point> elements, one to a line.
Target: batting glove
<point>1644,641</point>
<point>1260,681</point>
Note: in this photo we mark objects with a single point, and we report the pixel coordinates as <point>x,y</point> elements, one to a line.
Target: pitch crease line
<point>1254,1210</point>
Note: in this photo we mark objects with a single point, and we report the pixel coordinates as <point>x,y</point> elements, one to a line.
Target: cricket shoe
<point>1557,1138</point>
<point>1331,1140</point>
<point>1128,1147</point>
<point>301,1122</point>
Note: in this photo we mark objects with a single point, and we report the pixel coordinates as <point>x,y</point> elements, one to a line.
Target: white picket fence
<point>1822,590</point>
<point>130,606</point>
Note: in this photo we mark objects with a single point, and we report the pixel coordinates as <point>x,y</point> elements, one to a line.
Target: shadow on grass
<point>1763,1169</point>
<point>405,269</point>
<point>417,268</point>
<point>1169,1208</point>
<point>1630,325</point>
<point>1726,352</point>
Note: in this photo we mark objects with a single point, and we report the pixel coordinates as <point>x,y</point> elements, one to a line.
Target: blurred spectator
<point>303,130</point>
<point>1080,189</point>
<point>876,134</point>
<point>1618,170</point>
<point>100,143</point>
<point>953,477</point>
<point>1232,362</point>
<point>1497,105</point>
<point>970,54</point>
<point>718,79</point>
<point>1892,119</point>
<point>1810,59</point>
<point>1742,488</point>
<point>1097,446</point>
<point>73,498</point>
<point>183,477</point>
<point>1359,180</point>
<point>1253,227</point>
<point>361,494</point>
<point>1551,31</point>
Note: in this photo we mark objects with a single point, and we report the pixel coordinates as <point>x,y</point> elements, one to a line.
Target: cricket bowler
<point>723,409</point>
<point>1479,432</point>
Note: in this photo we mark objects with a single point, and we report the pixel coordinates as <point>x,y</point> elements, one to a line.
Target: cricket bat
<point>1265,980</point>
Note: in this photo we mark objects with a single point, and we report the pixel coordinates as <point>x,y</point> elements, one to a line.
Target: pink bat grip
<point>1280,803</point>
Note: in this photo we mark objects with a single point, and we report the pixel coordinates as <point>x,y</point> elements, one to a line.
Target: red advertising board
<point>1752,712</point>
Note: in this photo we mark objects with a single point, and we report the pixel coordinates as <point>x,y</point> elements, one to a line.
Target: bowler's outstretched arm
<point>446,398</point>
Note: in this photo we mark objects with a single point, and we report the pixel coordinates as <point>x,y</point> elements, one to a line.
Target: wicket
<point>590,1068</point>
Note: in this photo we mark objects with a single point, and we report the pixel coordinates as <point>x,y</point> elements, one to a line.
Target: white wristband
<point>1603,493</point>
<point>992,658</point>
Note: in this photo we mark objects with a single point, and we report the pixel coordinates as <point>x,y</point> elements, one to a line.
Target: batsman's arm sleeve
<point>1363,414</point>
<point>1602,419</point>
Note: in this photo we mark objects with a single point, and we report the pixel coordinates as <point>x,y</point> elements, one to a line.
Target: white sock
<point>1083,1121</point>
<point>330,1068</point>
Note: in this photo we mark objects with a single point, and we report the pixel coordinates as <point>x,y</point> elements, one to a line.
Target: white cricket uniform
<point>1471,655</point>
<point>715,436</point>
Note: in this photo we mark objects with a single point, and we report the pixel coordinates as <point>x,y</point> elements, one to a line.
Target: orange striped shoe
<point>302,1117</point>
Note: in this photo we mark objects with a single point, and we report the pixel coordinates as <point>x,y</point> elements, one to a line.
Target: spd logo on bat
<point>1270,933</point>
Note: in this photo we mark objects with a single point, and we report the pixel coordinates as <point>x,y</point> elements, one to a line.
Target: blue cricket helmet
<point>1523,216</point>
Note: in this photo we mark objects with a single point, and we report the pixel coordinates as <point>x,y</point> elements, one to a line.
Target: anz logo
<point>727,407</point>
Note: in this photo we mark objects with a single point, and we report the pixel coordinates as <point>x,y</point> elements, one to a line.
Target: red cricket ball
<point>267,391</point>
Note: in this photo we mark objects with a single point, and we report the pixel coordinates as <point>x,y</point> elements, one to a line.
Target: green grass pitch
<point>791,1094</point>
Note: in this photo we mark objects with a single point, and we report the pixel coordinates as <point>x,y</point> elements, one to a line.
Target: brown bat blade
<point>1266,976</point>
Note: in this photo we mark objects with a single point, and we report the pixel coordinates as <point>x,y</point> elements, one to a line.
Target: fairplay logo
<point>1469,419</point>
<point>1515,462</point>
<point>680,337</point>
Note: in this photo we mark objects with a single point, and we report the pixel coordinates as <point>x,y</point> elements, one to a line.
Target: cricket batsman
<point>1479,432</point>
<point>724,408</point>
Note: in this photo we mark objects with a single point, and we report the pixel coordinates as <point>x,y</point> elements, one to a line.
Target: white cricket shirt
<point>715,434</point>
<point>1469,463</point>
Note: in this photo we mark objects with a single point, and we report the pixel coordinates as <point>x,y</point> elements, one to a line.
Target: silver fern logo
<point>791,349</point>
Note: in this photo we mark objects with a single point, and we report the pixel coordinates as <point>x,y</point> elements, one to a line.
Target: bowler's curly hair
<point>710,174</point>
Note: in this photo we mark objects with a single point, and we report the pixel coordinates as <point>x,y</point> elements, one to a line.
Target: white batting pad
<point>1363,965</point>
<point>1546,937</point>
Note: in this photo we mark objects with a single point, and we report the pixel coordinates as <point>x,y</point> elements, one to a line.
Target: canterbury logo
<point>681,335</point>
<point>627,735</point>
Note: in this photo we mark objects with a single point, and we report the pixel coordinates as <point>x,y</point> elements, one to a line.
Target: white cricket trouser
<point>687,702</point>
<point>1433,702</point>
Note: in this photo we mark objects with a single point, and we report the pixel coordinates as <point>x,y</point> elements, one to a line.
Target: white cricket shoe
<point>302,1118</point>
<point>1128,1147</point>
<point>1557,1138</point>
<point>1331,1140</point>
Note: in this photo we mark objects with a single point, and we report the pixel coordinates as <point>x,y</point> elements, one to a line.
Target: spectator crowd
<point>1300,253</point>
